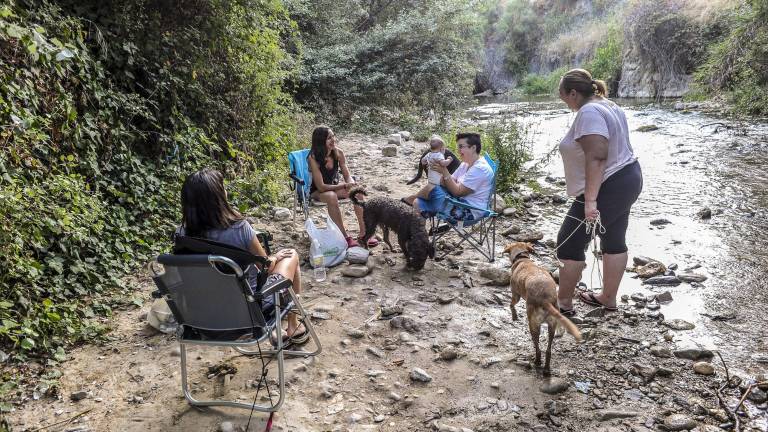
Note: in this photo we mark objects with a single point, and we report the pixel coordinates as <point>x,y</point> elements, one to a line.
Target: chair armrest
<point>275,283</point>
<point>296,179</point>
<point>468,206</point>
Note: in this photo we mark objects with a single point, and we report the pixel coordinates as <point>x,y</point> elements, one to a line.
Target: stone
<point>355,271</point>
<point>528,236</point>
<point>554,386</point>
<point>595,313</point>
<point>705,213</point>
<point>448,354</point>
<point>281,214</point>
<point>498,276</point>
<point>661,351</point>
<point>662,280</point>
<point>78,395</point>
<point>559,199</point>
<point>693,353</point>
<point>679,422</point>
<point>355,333</point>
<point>499,203</point>
<point>758,396</point>
<point>375,352</point>
<point>514,229</point>
<point>176,352</point>
<point>355,417</point>
<point>653,268</point>
<point>357,255</point>
<point>678,324</point>
<point>420,375</point>
<point>509,211</point>
<point>405,135</point>
<point>389,151</point>
<point>641,260</point>
<point>639,297</point>
<point>703,368</point>
<point>226,426</point>
<point>664,297</point>
<point>406,323</point>
<point>648,373</point>
<point>606,415</point>
<point>395,139</point>
<point>647,128</point>
<point>691,277</point>
<point>394,396</point>
<point>660,221</point>
<point>665,372</point>
<point>490,361</point>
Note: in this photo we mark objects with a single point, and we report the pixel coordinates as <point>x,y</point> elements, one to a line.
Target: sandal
<point>295,338</point>
<point>590,299</point>
<point>568,313</point>
<point>372,242</point>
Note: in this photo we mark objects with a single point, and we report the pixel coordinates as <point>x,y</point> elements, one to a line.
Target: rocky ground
<point>452,360</point>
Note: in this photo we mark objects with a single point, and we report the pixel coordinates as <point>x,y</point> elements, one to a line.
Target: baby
<point>435,155</point>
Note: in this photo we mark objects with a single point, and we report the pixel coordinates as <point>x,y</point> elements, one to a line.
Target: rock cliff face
<point>641,77</point>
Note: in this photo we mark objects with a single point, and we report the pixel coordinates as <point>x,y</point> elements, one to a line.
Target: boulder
<point>496,275</point>
<point>389,151</point>
<point>405,135</point>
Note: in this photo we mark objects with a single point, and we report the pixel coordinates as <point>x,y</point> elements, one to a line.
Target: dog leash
<point>593,228</point>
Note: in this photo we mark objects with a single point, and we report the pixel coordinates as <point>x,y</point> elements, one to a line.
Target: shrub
<point>607,60</point>
<point>534,84</point>
<point>509,143</point>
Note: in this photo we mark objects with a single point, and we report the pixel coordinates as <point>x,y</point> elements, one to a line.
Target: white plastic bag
<point>161,318</point>
<point>333,245</point>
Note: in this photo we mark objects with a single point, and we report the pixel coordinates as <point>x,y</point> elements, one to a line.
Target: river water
<point>693,160</point>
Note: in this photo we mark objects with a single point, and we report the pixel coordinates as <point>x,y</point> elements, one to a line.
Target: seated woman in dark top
<point>327,163</point>
<point>207,214</point>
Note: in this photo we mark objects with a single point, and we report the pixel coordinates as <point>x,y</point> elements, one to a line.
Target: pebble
<point>394,396</point>
<point>448,354</point>
<point>78,395</point>
<point>661,351</point>
<point>420,375</point>
<point>355,271</point>
<point>703,368</point>
<point>678,324</point>
<point>355,417</point>
<point>355,333</point>
<point>662,280</point>
<point>226,426</point>
<point>679,422</point>
<point>693,353</point>
<point>528,236</point>
<point>176,352</point>
<point>606,415</point>
<point>282,214</point>
<point>509,211</point>
<point>691,277</point>
<point>554,386</point>
<point>379,418</point>
<point>375,352</point>
<point>758,396</point>
<point>660,221</point>
<point>704,213</point>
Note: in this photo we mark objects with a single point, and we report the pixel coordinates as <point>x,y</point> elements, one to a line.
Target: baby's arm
<point>447,161</point>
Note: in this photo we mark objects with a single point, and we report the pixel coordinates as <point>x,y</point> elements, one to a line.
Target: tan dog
<point>536,286</point>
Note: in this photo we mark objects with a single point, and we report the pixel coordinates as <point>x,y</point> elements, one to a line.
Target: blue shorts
<point>434,203</point>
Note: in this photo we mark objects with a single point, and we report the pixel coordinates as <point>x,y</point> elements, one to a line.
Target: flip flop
<point>296,338</point>
<point>568,313</point>
<point>405,202</point>
<point>590,299</point>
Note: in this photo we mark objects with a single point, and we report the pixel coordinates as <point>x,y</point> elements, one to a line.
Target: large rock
<point>395,139</point>
<point>389,151</point>
<point>640,77</point>
<point>496,275</point>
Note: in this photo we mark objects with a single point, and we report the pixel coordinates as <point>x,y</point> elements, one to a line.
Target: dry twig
<point>66,421</point>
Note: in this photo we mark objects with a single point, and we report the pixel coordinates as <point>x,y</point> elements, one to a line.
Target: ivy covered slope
<point>104,107</point>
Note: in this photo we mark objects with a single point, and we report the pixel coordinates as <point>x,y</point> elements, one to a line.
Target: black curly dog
<point>422,169</point>
<point>392,214</point>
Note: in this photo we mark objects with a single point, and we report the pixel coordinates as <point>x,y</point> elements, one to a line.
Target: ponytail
<point>581,81</point>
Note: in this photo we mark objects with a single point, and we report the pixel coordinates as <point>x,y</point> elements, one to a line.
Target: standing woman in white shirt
<point>602,173</point>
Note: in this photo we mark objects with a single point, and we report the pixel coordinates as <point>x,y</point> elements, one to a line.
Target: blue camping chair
<point>479,233</point>
<point>301,180</point>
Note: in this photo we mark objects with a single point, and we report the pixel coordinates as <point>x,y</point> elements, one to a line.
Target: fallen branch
<point>731,414</point>
<point>65,421</point>
<point>748,391</point>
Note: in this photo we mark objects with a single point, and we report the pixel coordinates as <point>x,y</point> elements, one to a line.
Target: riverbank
<point>630,374</point>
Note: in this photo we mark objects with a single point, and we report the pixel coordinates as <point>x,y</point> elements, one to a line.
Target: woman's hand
<point>439,168</point>
<point>281,255</point>
<point>590,210</point>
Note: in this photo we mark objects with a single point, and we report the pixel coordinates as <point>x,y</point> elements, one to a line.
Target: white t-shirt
<point>433,176</point>
<point>603,118</point>
<point>479,178</point>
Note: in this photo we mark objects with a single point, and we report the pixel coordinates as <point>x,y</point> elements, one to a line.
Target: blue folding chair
<point>479,233</point>
<point>301,180</point>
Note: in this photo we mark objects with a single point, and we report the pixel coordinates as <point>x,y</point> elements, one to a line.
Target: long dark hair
<point>319,149</point>
<point>204,203</point>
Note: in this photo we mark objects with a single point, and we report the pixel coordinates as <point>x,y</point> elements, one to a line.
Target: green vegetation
<point>508,142</point>
<point>104,108</point>
<point>607,59</point>
<point>737,65</point>
<point>534,84</point>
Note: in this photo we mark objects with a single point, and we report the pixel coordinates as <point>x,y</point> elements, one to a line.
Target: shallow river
<point>691,161</point>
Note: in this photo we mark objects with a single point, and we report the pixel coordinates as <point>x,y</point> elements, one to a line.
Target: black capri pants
<point>617,194</point>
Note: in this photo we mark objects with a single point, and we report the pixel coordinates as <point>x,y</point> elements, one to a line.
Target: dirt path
<point>361,380</point>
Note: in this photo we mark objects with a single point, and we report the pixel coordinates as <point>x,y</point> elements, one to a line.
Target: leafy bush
<point>607,60</point>
<point>534,84</point>
<point>509,143</point>
<point>737,64</point>
<point>104,108</point>
<point>404,58</point>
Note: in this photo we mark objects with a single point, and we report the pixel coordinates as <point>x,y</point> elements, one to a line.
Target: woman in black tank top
<point>331,179</point>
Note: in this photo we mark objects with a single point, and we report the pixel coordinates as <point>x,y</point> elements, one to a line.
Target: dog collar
<point>519,255</point>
